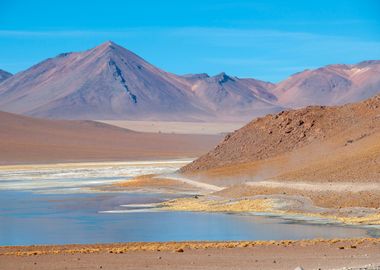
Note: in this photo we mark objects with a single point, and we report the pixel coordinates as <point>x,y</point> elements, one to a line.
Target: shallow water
<point>55,207</point>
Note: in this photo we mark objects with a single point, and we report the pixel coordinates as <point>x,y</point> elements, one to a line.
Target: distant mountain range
<point>330,85</point>
<point>110,82</point>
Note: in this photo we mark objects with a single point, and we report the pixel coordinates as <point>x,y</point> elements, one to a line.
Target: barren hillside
<point>31,140</point>
<point>311,143</point>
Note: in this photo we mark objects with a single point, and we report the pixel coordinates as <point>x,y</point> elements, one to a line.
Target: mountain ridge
<point>337,84</point>
<point>109,82</point>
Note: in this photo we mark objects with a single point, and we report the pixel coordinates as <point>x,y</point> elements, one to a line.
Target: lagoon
<point>59,206</point>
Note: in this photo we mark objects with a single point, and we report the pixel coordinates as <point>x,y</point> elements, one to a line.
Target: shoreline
<point>31,250</point>
<point>359,253</point>
<point>278,254</point>
<point>293,205</point>
<point>95,163</point>
<point>272,206</point>
<point>213,198</point>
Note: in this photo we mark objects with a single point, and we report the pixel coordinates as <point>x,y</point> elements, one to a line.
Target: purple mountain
<point>110,82</point>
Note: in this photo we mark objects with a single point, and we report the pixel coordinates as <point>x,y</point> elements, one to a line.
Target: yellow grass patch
<point>119,248</point>
<point>199,205</point>
<point>373,219</point>
<point>148,180</point>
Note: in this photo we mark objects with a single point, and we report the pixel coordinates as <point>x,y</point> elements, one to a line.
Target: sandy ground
<point>190,182</point>
<point>338,187</point>
<point>209,128</point>
<point>316,254</point>
<point>336,199</point>
<point>34,141</point>
<point>152,184</point>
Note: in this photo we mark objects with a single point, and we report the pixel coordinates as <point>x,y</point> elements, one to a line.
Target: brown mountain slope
<point>314,143</point>
<point>31,140</point>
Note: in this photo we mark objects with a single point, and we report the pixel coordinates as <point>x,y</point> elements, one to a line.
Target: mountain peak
<point>111,48</point>
<point>223,77</point>
<point>108,46</point>
<point>108,43</point>
<point>4,75</point>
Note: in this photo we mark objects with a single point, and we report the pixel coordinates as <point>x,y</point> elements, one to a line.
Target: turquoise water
<point>58,208</point>
<point>28,218</point>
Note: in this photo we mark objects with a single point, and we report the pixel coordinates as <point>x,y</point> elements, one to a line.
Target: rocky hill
<point>316,131</point>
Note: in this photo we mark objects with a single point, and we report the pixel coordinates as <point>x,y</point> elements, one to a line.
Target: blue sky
<point>268,40</point>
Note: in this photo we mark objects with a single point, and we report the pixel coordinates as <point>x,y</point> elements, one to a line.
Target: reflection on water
<point>33,212</point>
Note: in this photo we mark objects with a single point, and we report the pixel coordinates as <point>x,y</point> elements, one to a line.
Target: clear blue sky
<point>267,40</point>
